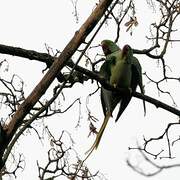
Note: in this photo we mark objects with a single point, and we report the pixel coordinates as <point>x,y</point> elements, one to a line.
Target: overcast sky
<point>31,24</point>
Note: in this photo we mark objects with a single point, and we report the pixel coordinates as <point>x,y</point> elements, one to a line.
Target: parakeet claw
<point>115,85</point>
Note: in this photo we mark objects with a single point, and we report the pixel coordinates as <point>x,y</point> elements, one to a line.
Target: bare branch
<point>61,163</point>
<point>57,65</point>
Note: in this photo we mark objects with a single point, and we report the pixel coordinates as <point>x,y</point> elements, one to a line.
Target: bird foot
<point>115,85</point>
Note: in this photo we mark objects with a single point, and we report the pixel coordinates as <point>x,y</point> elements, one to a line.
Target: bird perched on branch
<point>121,69</point>
<point>110,48</point>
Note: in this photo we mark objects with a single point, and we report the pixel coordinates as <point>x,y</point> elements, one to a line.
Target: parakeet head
<point>127,52</point>
<point>126,49</point>
<point>109,47</point>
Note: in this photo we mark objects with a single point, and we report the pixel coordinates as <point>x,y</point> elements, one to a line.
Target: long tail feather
<point>100,133</point>
<point>144,108</point>
<point>123,104</point>
<point>96,142</point>
<point>144,105</point>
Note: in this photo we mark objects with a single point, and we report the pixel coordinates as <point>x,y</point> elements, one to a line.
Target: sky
<point>31,25</point>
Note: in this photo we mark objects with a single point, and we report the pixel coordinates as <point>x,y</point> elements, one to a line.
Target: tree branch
<point>48,59</point>
<point>57,65</point>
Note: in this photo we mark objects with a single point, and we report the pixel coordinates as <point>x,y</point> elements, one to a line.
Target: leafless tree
<point>23,111</point>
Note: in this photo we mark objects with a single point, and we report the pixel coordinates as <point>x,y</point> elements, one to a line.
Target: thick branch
<point>57,65</point>
<point>46,58</point>
<point>157,103</point>
<point>29,54</point>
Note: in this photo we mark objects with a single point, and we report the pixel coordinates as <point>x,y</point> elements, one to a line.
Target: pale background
<point>31,24</point>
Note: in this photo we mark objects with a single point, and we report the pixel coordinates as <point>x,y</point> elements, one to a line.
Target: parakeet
<point>121,69</point>
<point>110,47</point>
<point>117,70</point>
<point>109,99</point>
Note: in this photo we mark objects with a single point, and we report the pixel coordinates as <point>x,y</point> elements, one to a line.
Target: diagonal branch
<point>57,65</point>
<point>46,58</point>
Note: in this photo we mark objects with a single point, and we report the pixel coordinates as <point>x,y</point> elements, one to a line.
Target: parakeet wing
<point>107,95</point>
<point>137,78</point>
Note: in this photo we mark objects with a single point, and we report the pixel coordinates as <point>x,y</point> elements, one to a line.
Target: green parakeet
<point>109,99</point>
<point>122,70</point>
<point>117,70</point>
<point>107,96</point>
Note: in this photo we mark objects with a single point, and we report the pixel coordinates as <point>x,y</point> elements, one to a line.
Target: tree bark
<point>57,65</point>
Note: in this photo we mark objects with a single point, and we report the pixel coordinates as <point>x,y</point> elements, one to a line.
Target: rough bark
<point>57,65</point>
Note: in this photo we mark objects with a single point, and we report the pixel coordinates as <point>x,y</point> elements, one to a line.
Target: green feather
<point>109,47</point>
<point>121,69</point>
